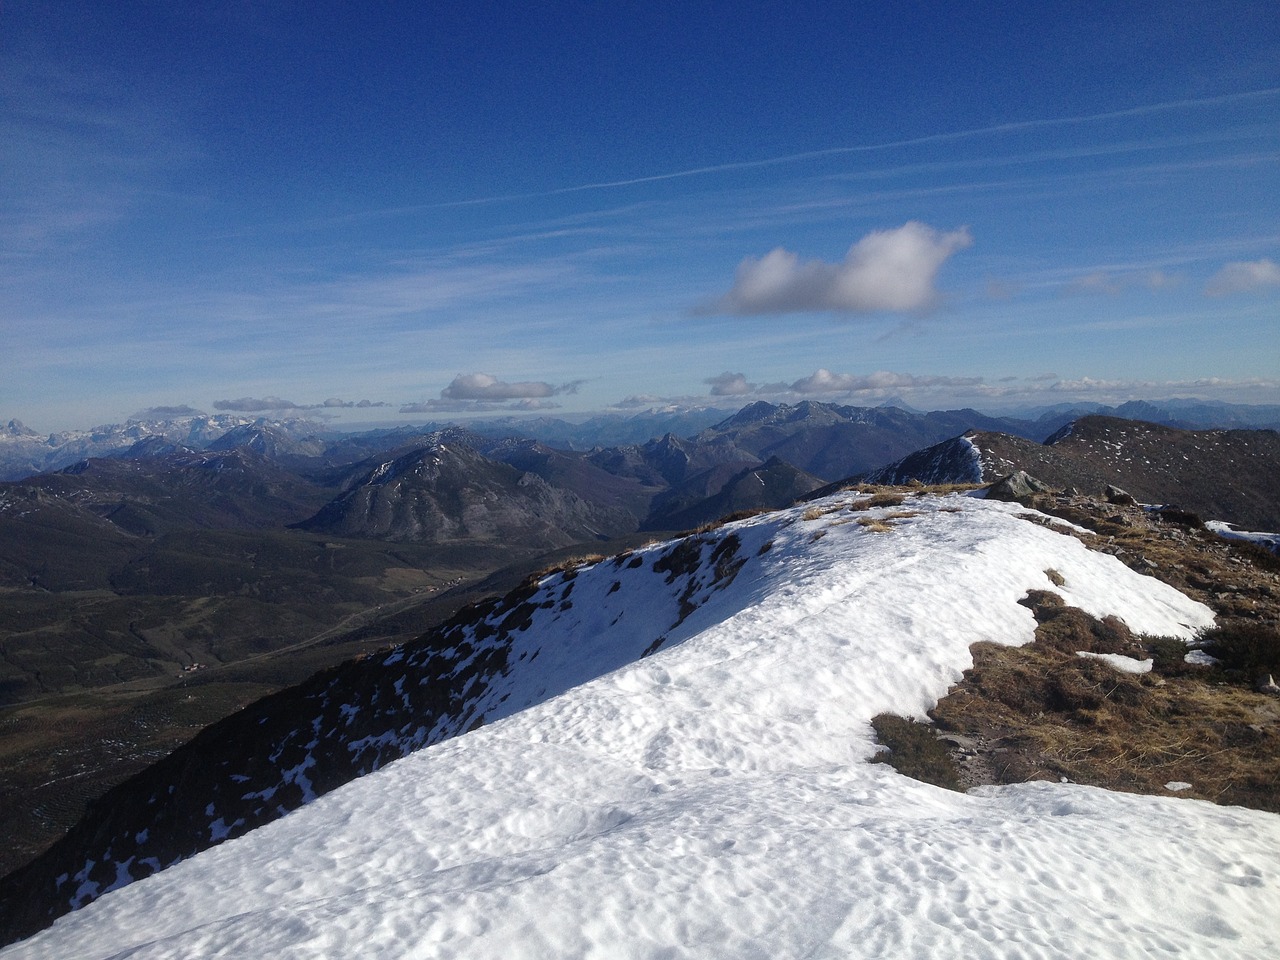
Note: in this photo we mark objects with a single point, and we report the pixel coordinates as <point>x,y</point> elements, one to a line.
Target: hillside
<point>674,730</point>
<point>1220,474</point>
<point>832,441</point>
<point>450,493</point>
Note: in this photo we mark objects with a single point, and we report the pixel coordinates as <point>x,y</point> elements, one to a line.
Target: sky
<point>398,212</point>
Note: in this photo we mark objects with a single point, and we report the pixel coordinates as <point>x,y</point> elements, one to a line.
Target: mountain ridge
<point>734,675</point>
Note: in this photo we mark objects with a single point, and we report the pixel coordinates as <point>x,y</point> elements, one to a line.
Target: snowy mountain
<point>23,452</point>
<point>670,761</point>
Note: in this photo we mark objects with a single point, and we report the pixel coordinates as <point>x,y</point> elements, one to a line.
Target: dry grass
<point>1040,712</point>
<point>570,566</point>
<point>873,525</point>
<point>817,513</point>
<point>884,498</point>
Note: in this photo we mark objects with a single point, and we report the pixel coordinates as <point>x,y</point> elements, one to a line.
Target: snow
<point>1200,659</point>
<point>713,799</point>
<point>1268,541</point>
<point>1119,661</point>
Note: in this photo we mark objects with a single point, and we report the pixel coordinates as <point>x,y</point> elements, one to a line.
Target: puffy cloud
<point>334,402</point>
<point>482,386</point>
<point>483,393</point>
<point>1244,277</point>
<point>638,401</point>
<point>729,385</point>
<point>885,271</point>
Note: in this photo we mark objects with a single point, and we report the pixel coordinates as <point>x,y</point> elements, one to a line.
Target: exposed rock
<point>1016,486</point>
<point>1115,495</point>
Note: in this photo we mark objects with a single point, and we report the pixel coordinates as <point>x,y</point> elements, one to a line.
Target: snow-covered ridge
<point>710,798</point>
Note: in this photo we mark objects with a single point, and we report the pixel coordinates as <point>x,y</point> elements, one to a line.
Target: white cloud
<point>824,381</point>
<point>729,385</point>
<point>1114,283</point>
<point>265,404</point>
<point>885,271</point>
<point>1244,277</point>
<point>482,386</point>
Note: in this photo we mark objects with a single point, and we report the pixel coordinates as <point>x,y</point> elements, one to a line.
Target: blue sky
<point>405,211</point>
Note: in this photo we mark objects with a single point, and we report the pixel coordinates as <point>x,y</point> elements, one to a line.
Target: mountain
<point>450,493</point>
<point>832,441</point>
<point>709,496</point>
<point>1224,475</point>
<point>23,453</point>
<point>665,753</point>
<point>235,489</point>
<point>576,473</point>
<point>269,440</point>
<point>610,429</point>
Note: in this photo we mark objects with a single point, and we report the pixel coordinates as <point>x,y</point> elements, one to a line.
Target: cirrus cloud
<point>886,271</point>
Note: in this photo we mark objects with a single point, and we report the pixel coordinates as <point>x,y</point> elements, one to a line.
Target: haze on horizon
<point>420,212</point>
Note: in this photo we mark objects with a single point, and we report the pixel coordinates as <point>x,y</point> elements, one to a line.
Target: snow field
<point>712,800</point>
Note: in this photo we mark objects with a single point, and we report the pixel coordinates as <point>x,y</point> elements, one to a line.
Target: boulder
<point>1117,496</point>
<point>1017,486</point>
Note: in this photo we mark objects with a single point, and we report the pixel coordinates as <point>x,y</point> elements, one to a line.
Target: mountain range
<point>195,571</point>
<point>24,452</point>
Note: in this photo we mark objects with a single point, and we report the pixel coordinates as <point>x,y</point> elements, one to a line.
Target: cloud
<point>334,402</point>
<point>482,386</point>
<point>1244,277</point>
<point>255,405</point>
<point>886,271</point>
<point>1114,283</point>
<point>478,406</point>
<point>167,413</point>
<point>638,401</point>
<point>729,385</point>
<point>824,381</point>
<point>267,404</point>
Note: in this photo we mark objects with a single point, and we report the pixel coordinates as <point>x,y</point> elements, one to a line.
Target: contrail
<point>869,148</point>
<point>731,166</point>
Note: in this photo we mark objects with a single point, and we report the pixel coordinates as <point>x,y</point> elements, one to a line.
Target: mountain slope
<point>832,442</point>
<point>766,486</point>
<point>449,492</point>
<point>1220,474</point>
<point>672,758</point>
